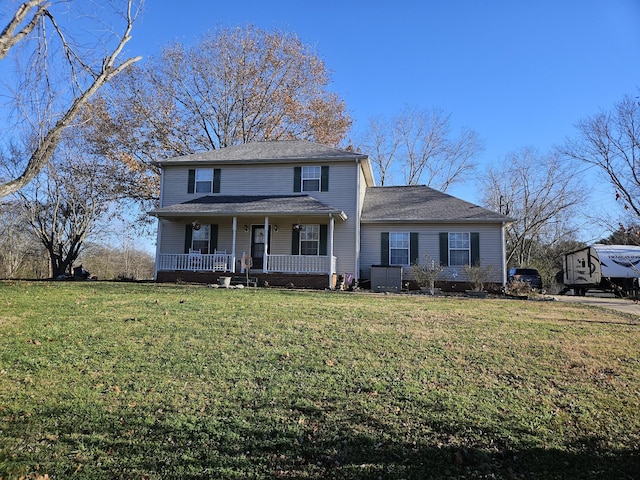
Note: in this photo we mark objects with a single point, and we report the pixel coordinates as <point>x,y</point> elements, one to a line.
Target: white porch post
<point>265,255</point>
<point>158,246</point>
<point>332,222</point>
<point>234,228</point>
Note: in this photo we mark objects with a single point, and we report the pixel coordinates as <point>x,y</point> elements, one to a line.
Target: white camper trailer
<point>614,268</point>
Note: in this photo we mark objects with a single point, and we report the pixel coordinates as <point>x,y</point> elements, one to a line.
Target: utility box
<point>386,278</point>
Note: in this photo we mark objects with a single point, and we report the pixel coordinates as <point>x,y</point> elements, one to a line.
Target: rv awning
<point>267,205</point>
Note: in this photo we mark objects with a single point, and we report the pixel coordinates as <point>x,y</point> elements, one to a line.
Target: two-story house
<point>295,212</point>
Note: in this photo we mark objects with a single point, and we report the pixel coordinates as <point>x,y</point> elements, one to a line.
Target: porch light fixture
<point>275,228</point>
<point>246,228</point>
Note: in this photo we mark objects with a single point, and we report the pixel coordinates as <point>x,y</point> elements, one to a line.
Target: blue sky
<point>519,73</point>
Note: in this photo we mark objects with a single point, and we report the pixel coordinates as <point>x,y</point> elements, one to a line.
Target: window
<point>310,240</point>
<point>399,243</point>
<point>311,177</point>
<point>204,180</point>
<point>201,238</point>
<point>459,248</point>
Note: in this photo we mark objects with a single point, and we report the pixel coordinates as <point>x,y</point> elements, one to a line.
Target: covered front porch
<point>201,241</point>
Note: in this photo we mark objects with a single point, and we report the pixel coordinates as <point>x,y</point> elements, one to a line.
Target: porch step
<point>253,281</point>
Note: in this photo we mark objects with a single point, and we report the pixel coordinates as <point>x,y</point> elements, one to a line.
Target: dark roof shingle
<point>249,205</point>
<point>419,203</point>
<point>283,150</point>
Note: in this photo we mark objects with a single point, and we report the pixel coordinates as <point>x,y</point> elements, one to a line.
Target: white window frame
<point>203,180</point>
<point>459,242</point>
<point>201,239</point>
<point>309,176</point>
<point>309,237</point>
<point>398,242</point>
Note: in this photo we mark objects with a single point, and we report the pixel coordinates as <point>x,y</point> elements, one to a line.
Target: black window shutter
<point>297,179</point>
<point>214,238</point>
<point>324,179</point>
<point>324,234</point>
<point>475,248</point>
<point>384,248</point>
<point>191,186</point>
<point>444,249</point>
<point>413,247</point>
<point>188,236</point>
<point>295,242</point>
<point>216,180</point>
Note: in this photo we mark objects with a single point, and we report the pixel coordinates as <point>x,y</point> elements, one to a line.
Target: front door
<point>257,246</point>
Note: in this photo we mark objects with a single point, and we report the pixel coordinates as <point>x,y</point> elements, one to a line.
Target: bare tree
<point>66,202</point>
<point>611,142</point>
<point>234,86</point>
<point>381,144</point>
<point>61,76</point>
<point>540,192</point>
<point>421,144</point>
<point>15,240</point>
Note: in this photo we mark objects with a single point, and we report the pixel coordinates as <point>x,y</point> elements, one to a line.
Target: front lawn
<point>144,381</point>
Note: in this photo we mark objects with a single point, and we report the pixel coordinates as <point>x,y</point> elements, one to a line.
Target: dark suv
<point>529,275</point>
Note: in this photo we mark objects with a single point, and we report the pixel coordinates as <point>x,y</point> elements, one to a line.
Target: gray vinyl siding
<point>268,179</point>
<point>429,246</point>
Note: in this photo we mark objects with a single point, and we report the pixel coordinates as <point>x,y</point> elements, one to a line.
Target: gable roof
<point>281,151</point>
<point>419,203</point>
<point>225,205</point>
<point>276,151</point>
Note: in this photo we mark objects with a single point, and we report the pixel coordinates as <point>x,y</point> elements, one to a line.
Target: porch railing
<point>218,262</point>
<point>300,264</point>
<point>214,262</point>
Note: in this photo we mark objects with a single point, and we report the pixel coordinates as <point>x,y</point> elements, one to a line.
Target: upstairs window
<point>311,177</point>
<point>204,180</point>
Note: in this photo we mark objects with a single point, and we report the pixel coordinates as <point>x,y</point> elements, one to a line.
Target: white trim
<point>234,233</point>
<point>330,239</point>
<point>356,274</point>
<point>265,255</point>
<point>158,238</point>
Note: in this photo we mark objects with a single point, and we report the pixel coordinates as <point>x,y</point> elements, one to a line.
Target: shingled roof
<point>250,205</point>
<point>283,150</point>
<point>419,203</point>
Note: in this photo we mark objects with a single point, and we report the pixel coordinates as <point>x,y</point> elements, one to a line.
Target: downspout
<point>332,222</point>
<point>504,254</point>
<point>158,238</point>
<point>265,255</point>
<point>234,229</point>
<point>356,274</point>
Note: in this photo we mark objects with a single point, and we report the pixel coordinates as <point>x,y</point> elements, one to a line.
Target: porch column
<point>332,222</point>
<point>234,229</point>
<point>265,255</point>
<point>158,248</point>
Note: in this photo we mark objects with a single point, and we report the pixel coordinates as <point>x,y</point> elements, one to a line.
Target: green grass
<point>103,380</point>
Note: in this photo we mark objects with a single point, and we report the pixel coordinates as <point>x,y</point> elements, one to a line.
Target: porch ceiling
<point>267,205</point>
